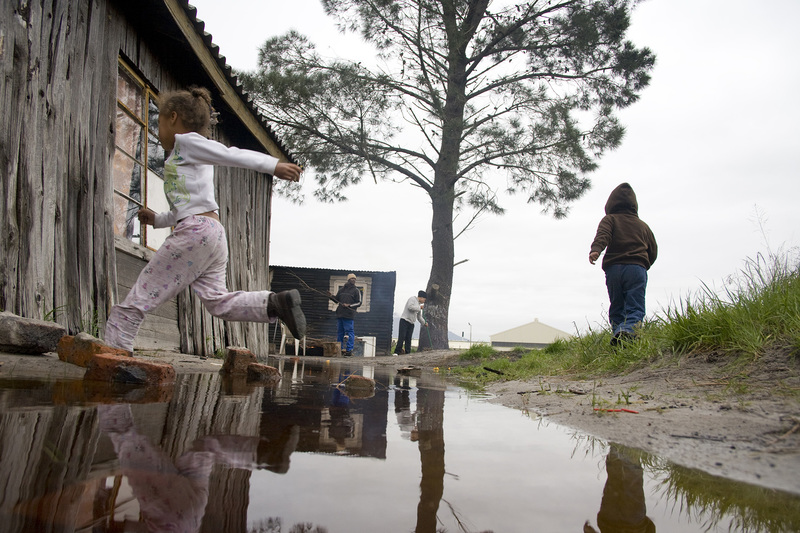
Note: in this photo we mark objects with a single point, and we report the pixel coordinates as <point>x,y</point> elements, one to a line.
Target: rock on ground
<point>28,335</point>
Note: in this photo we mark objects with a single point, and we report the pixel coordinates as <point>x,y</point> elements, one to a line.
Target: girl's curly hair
<point>193,106</point>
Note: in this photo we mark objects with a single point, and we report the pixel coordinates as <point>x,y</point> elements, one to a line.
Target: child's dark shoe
<point>622,337</point>
<point>286,306</point>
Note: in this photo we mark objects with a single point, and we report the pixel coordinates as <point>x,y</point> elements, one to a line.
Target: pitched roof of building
<point>532,332</point>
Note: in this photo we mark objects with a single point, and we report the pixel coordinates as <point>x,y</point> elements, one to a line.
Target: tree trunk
<point>443,192</point>
<point>440,283</point>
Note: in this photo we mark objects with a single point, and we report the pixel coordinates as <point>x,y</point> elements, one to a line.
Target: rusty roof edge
<point>247,99</point>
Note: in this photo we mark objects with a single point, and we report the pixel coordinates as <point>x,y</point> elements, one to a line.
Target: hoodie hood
<point>622,201</point>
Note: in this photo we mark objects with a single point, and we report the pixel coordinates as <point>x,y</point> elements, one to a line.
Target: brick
<point>262,373</point>
<point>331,349</point>
<point>358,387</point>
<point>80,349</point>
<point>125,369</point>
<point>237,360</point>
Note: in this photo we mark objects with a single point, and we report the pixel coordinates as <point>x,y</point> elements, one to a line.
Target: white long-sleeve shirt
<point>189,174</point>
<point>413,311</point>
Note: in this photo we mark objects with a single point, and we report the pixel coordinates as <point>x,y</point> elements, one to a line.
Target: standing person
<point>196,253</point>
<point>348,298</point>
<point>630,251</point>
<point>411,313</point>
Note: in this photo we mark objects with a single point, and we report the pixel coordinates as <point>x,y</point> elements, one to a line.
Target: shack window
<point>138,166</point>
<point>363,284</point>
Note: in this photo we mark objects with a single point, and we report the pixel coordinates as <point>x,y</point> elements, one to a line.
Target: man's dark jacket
<point>348,294</point>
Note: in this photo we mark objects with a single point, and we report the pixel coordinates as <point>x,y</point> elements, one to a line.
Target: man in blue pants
<point>348,298</point>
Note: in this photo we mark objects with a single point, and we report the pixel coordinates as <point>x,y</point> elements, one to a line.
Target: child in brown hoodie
<point>630,251</point>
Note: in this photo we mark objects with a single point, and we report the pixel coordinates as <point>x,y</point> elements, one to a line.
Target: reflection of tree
<point>430,419</point>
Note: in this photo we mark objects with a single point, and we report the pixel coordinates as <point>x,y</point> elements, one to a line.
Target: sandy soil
<point>741,424</point>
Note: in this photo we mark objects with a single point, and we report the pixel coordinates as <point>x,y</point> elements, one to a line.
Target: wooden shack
<point>373,318</point>
<point>79,155</point>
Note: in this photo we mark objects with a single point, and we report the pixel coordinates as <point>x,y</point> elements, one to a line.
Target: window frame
<point>363,284</point>
<point>146,95</point>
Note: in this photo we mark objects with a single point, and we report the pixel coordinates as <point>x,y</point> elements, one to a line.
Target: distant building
<point>532,335</point>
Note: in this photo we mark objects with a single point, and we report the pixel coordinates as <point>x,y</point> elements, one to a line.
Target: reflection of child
<point>196,253</point>
<point>630,251</point>
<point>172,496</point>
<point>623,505</point>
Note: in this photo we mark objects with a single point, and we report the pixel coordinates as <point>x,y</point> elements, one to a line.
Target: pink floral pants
<point>195,254</point>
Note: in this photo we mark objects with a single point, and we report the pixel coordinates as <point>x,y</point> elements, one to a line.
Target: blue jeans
<point>345,326</point>
<point>626,289</point>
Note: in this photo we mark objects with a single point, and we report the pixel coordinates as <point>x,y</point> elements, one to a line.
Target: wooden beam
<point>220,79</point>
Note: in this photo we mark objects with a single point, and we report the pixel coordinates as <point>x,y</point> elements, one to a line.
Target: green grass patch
<point>478,352</point>
<point>757,309</point>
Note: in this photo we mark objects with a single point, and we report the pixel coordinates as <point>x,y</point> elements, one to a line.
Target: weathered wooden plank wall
<point>58,70</point>
<point>244,198</point>
<point>57,96</point>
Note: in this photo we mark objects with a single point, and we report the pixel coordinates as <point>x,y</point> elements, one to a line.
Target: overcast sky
<point>712,150</point>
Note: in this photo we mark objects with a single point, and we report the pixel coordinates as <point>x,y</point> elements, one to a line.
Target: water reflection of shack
<point>374,316</point>
<point>60,469</point>
<point>59,465</point>
<point>332,422</point>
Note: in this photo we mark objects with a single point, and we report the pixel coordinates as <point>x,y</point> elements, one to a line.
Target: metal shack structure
<point>373,318</point>
<point>79,155</point>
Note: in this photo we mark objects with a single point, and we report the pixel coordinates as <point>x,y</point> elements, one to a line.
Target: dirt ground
<point>741,424</point>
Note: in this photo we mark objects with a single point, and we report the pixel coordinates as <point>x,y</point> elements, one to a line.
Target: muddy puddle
<point>312,453</point>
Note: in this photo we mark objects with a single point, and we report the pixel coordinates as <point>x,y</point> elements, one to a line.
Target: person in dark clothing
<point>349,299</point>
<point>630,249</point>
